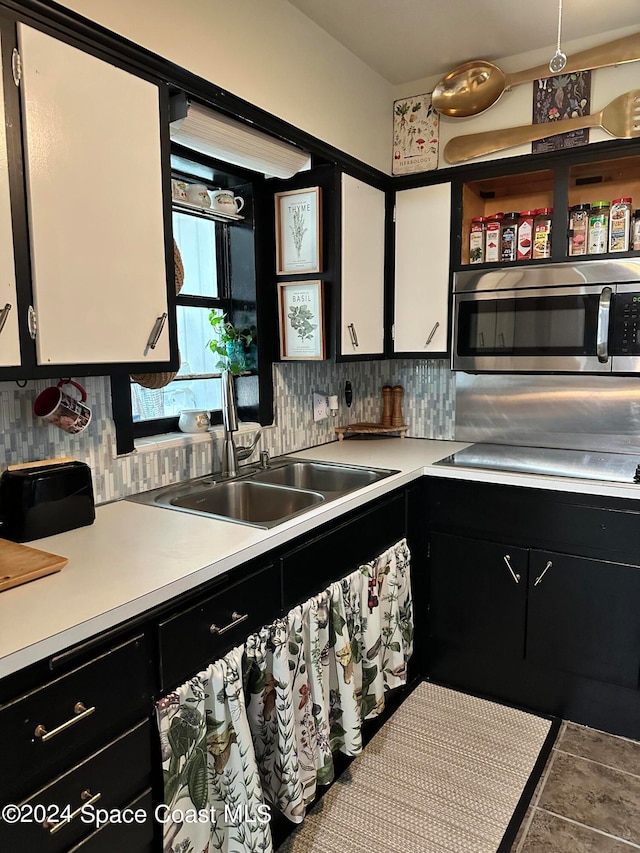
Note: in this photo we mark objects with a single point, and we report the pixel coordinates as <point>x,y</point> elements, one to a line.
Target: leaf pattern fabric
<point>210,773</point>
<point>262,724</point>
<point>314,676</point>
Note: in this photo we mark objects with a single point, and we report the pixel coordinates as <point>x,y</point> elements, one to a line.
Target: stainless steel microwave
<point>560,318</point>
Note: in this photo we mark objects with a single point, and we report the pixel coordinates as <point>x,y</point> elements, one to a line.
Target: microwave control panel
<point>626,324</point>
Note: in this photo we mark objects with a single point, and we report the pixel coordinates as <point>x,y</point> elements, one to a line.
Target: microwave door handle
<point>602,329</point>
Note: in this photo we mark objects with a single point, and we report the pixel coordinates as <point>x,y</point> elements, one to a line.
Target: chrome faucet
<point>231,454</point>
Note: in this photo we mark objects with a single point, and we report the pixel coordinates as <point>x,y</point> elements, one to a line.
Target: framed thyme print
<point>301,312</point>
<point>298,237</point>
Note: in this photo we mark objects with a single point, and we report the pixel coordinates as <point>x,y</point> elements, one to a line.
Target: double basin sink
<point>264,497</point>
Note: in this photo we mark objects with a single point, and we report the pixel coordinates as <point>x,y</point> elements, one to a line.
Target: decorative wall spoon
<point>620,118</point>
<point>475,86</point>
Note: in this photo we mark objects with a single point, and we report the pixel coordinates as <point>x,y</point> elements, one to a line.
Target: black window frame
<point>212,173</point>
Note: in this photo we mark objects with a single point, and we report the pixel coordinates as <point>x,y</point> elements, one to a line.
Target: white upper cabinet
<point>94,194</point>
<point>362,287</point>
<point>421,301</point>
<point>9,339</point>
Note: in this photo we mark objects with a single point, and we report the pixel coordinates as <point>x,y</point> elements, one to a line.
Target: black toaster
<point>46,499</point>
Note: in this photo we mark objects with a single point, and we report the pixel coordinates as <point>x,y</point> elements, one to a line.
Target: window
<point>206,246</point>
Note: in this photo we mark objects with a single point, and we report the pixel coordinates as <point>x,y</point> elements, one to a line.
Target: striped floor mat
<point>443,775</point>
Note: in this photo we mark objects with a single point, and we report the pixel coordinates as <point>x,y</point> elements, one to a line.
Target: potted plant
<point>229,342</point>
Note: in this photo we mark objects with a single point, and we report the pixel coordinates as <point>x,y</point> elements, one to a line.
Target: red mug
<point>62,410</point>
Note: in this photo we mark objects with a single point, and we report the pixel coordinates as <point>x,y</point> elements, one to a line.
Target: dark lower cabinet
<point>333,553</point>
<point>584,617</point>
<point>556,631</point>
<point>478,595</point>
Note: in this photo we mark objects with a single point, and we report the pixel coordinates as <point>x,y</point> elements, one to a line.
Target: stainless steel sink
<point>255,503</point>
<point>318,476</point>
<point>264,497</point>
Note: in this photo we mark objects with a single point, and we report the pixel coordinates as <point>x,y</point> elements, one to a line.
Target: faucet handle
<point>264,459</point>
<point>245,452</point>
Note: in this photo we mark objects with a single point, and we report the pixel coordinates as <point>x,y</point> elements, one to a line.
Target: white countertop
<point>135,557</point>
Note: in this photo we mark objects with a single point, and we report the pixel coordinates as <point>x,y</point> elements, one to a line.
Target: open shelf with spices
<point>485,197</point>
<point>574,179</point>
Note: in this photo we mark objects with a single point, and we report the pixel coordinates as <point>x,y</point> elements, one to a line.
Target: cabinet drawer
<point>334,554</point>
<point>46,730</point>
<point>198,635</point>
<point>107,779</point>
<point>133,837</point>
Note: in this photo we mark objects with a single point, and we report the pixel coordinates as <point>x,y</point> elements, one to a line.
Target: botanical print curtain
<point>261,725</point>
<point>211,781</point>
<point>312,678</point>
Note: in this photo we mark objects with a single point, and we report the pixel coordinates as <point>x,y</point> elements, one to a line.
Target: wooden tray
<point>21,564</point>
<point>370,428</point>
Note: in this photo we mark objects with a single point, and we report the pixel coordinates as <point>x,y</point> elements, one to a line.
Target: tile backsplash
<point>428,406</point>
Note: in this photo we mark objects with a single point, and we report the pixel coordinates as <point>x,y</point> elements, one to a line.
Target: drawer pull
<point>87,800</point>
<point>507,560</point>
<point>544,571</point>
<point>78,709</point>
<point>236,619</point>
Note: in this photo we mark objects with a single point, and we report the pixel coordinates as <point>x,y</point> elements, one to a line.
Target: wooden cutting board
<point>21,564</point>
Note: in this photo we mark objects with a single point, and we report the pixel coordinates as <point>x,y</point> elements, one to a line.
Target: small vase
<point>236,356</point>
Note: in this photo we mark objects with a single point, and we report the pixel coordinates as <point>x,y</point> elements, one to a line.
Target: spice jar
<point>525,235</point>
<point>476,240</point>
<point>492,238</point>
<point>578,228</point>
<point>620,225</point>
<point>542,233</point>
<point>635,239</point>
<point>509,237</point>
<point>598,227</point>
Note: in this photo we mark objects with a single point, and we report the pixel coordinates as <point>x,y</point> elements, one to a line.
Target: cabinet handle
<point>481,339</point>
<point>4,313</point>
<point>353,334</point>
<point>158,326</point>
<point>16,66</point>
<point>544,571</point>
<point>87,800</point>
<point>432,333</point>
<point>236,619</point>
<point>81,713</point>
<point>32,322</point>
<point>507,560</point>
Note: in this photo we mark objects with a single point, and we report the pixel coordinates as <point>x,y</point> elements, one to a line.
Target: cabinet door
<point>421,301</point>
<point>94,194</point>
<point>584,617</point>
<point>9,340</point>
<point>478,595</point>
<point>362,288</point>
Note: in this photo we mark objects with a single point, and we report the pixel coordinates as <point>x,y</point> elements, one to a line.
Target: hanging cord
<point>559,59</point>
<point>559,26</point>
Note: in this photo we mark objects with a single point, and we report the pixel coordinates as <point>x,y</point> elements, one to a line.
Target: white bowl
<point>193,420</point>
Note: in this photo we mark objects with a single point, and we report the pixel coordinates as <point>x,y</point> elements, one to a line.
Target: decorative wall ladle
<point>475,86</point>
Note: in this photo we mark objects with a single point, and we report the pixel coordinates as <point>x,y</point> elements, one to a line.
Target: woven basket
<point>159,380</point>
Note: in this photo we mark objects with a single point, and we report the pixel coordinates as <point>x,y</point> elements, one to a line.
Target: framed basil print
<point>301,313</point>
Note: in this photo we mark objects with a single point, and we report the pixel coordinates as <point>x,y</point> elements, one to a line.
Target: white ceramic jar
<point>193,420</point>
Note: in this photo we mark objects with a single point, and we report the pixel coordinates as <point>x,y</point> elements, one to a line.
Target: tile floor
<point>588,799</point>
